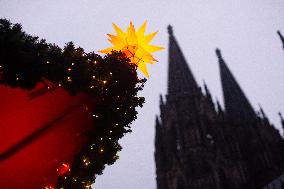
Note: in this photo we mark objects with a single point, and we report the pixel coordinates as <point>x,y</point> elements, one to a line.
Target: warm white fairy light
<point>69,69</point>
<point>104,81</point>
<point>87,163</point>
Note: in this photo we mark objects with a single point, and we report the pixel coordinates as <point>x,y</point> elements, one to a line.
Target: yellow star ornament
<point>135,45</point>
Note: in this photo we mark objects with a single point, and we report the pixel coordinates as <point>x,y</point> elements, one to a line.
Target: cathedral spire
<point>181,79</point>
<point>281,37</point>
<point>237,105</point>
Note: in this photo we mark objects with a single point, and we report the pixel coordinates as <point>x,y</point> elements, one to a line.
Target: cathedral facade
<point>200,145</point>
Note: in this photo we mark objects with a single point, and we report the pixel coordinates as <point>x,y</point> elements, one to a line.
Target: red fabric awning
<point>39,131</point>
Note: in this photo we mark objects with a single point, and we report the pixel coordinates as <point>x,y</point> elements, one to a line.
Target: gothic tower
<point>200,145</point>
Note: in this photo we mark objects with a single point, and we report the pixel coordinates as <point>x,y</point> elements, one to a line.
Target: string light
<point>17,79</point>
<point>94,77</point>
<point>110,73</point>
<point>69,79</point>
<point>72,64</point>
<point>91,87</point>
<point>48,187</point>
<point>101,150</point>
<point>59,84</point>
<point>92,146</point>
<point>47,62</point>
<point>104,81</point>
<point>69,69</point>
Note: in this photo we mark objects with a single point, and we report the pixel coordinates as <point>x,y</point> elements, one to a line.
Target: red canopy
<point>40,131</point>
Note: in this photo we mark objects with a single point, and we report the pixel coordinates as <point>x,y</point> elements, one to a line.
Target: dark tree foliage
<point>111,81</point>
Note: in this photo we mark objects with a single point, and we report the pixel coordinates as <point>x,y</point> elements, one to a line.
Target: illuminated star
<point>135,45</point>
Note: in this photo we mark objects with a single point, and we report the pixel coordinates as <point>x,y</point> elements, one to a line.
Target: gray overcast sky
<point>245,30</point>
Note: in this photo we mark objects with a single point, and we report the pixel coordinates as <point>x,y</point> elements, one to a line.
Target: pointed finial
<point>206,88</point>
<point>170,30</point>
<point>157,119</point>
<point>218,53</point>
<point>219,108</point>
<point>262,112</point>
<point>281,117</point>
<point>161,100</point>
<point>282,120</point>
<point>158,123</point>
<point>281,37</point>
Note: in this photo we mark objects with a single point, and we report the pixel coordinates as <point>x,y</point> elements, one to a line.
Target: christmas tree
<point>109,83</point>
